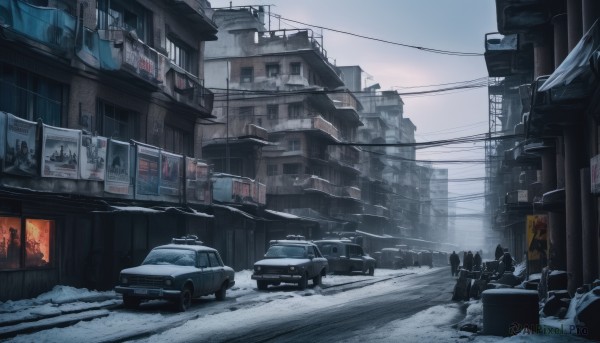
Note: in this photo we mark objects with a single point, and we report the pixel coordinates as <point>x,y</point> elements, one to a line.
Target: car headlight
<point>168,282</point>
<point>124,279</point>
<point>257,268</point>
<point>292,268</point>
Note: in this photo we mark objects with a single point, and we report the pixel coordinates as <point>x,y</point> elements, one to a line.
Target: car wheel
<point>303,282</point>
<point>220,294</point>
<point>131,302</point>
<point>317,280</point>
<point>185,299</point>
<point>262,285</point>
<point>371,271</point>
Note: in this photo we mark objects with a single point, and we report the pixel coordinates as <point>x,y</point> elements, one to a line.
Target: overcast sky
<point>450,25</point>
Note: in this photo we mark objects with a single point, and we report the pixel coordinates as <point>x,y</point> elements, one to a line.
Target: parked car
<point>393,258</point>
<point>346,257</point>
<point>180,271</point>
<point>290,261</point>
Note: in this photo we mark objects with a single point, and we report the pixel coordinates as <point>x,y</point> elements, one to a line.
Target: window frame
<point>180,54</point>
<point>246,74</point>
<point>272,69</point>
<point>272,115</point>
<point>132,118</point>
<point>295,110</point>
<point>23,262</point>
<point>294,144</point>
<point>296,68</point>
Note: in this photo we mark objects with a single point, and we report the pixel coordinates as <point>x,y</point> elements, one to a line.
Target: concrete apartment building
<point>283,112</point>
<point>544,64</point>
<point>101,102</point>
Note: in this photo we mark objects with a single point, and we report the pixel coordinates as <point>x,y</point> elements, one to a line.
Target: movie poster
<point>147,177</point>
<point>202,183</point>
<point>20,155</point>
<point>170,173</point>
<point>117,168</point>
<point>537,237</point>
<point>93,157</point>
<point>60,149</point>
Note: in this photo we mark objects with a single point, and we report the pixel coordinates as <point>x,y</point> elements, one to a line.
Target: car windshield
<point>283,251</point>
<point>176,257</point>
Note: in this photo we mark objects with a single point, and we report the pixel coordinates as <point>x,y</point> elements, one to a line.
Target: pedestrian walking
<point>499,252</point>
<point>454,263</point>
<point>468,262</point>
<point>477,261</point>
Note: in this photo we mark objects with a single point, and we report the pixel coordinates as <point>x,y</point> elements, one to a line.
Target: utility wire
<point>437,51</point>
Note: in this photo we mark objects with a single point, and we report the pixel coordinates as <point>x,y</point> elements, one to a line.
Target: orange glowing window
<point>10,242</point>
<point>38,233</point>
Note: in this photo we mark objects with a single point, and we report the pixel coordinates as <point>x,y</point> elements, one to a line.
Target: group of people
<point>470,262</point>
<point>473,262</point>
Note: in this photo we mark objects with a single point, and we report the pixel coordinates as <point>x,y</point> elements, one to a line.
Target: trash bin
<point>507,311</point>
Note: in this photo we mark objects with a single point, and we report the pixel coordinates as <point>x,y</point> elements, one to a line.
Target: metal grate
<point>152,281</point>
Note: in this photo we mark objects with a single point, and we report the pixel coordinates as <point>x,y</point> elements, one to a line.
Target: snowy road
<point>342,304</point>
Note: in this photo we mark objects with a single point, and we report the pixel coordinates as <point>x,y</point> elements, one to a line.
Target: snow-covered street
<point>247,311</point>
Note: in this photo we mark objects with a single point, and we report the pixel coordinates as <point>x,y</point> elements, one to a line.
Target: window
<point>116,122</point>
<point>214,261</point>
<point>291,168</point>
<point>30,96</point>
<point>294,110</point>
<point>294,145</point>
<point>202,260</point>
<point>247,74</point>
<point>34,244</point>
<point>181,55</point>
<point>122,15</point>
<point>272,112</point>
<point>178,141</point>
<point>246,112</point>
<point>272,169</point>
<point>272,70</point>
<point>295,68</point>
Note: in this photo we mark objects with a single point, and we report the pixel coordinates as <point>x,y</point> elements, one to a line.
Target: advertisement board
<point>147,176</point>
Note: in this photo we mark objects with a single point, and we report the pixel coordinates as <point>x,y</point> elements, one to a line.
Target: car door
<point>217,270</point>
<point>318,261</point>
<point>354,253</point>
<point>206,273</point>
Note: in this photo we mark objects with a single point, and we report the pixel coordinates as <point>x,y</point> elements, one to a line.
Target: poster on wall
<point>170,173</point>
<point>117,168</point>
<point>537,237</point>
<point>92,157</point>
<point>190,178</point>
<point>147,176</point>
<point>60,149</point>
<point>20,156</point>
<point>203,183</point>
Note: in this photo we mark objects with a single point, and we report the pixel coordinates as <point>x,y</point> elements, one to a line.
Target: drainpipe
<point>573,144</point>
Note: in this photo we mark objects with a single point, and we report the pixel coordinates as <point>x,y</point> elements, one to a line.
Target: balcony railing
<point>187,89</point>
<point>315,123</point>
<point>236,189</point>
<point>302,183</point>
<point>51,27</point>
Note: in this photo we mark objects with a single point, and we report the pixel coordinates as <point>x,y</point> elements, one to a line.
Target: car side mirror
<point>311,256</point>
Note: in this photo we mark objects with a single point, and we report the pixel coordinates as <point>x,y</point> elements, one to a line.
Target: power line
<point>437,51</point>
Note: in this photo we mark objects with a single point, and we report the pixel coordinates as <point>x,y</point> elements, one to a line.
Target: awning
<point>576,77</point>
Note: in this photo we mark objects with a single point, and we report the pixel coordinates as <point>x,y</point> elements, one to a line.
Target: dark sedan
<point>346,257</point>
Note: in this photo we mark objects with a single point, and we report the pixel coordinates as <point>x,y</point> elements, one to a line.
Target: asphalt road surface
<point>338,323</point>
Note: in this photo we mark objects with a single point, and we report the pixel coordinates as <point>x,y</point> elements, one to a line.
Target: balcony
<point>504,57</point>
<point>122,52</point>
<point>186,89</point>
<point>521,16</point>
<point>315,123</point>
<point>375,210</point>
<point>238,190</point>
<point>304,183</point>
<point>50,28</point>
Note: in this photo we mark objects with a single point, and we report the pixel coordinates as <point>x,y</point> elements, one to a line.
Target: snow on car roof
<point>185,246</point>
